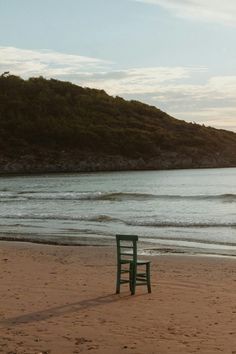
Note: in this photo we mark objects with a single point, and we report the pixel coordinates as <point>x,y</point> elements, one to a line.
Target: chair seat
<point>139,262</point>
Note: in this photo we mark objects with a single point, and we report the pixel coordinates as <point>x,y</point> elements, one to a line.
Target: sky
<point>177,55</point>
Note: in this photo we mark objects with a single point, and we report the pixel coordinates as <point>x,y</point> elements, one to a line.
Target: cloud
<point>140,80</point>
<point>175,90</point>
<point>218,89</point>
<point>211,103</point>
<point>219,117</point>
<point>218,11</point>
<point>26,62</point>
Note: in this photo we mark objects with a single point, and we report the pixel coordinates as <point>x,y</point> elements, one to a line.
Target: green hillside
<point>45,117</point>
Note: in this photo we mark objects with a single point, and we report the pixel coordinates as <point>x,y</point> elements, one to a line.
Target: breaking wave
<point>96,196</point>
<point>179,224</point>
<point>129,222</point>
<point>95,218</point>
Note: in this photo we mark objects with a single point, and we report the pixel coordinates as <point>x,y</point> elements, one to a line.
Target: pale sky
<point>178,55</point>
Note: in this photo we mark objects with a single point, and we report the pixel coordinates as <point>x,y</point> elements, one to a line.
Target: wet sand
<point>60,300</point>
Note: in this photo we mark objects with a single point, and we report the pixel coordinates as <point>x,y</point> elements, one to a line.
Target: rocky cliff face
<point>66,162</point>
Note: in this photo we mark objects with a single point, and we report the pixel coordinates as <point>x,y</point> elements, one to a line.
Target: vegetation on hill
<point>51,115</point>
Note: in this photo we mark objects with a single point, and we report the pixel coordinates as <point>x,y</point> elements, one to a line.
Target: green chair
<point>127,263</point>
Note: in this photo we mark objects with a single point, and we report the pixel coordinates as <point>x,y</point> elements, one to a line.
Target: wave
<point>180,224</point>
<point>106,218</point>
<point>188,240</point>
<point>101,196</point>
<point>95,218</point>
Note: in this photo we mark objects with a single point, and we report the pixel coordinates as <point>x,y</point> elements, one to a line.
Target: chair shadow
<point>62,310</point>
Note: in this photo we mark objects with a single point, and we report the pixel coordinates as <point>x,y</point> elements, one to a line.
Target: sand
<point>60,300</point>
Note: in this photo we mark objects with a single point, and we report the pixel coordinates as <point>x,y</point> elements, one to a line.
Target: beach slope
<point>61,300</point>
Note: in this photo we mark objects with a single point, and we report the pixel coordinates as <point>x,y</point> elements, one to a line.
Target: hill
<point>50,125</point>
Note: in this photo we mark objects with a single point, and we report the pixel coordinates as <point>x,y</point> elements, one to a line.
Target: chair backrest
<point>126,248</point>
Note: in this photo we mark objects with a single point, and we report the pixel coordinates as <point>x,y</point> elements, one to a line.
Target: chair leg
<point>130,277</point>
<point>118,279</point>
<point>134,272</point>
<point>148,277</point>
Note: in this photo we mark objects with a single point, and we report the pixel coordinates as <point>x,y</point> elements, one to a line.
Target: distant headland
<point>56,126</point>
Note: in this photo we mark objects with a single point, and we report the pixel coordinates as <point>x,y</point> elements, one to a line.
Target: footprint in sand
<point>82,340</point>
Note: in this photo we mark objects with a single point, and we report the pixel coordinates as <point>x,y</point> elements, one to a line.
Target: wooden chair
<point>127,263</point>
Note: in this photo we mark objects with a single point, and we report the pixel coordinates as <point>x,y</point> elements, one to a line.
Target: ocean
<point>175,211</point>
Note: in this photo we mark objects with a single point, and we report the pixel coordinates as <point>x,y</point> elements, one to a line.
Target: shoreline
<point>49,171</point>
<point>144,247</point>
<point>61,300</point>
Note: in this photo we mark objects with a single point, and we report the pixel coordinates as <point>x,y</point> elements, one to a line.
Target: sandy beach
<point>60,300</point>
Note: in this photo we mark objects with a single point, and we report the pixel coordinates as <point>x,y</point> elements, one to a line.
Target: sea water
<point>191,211</point>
